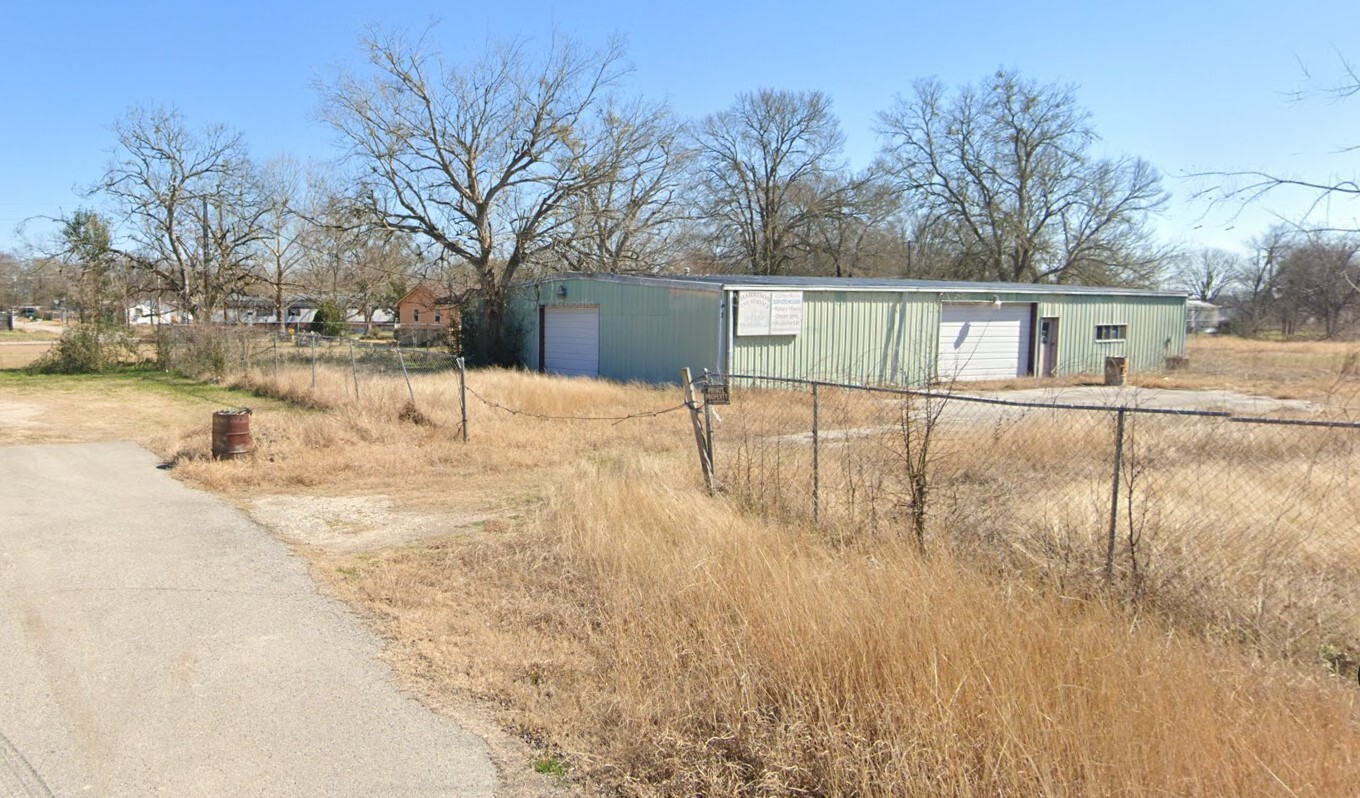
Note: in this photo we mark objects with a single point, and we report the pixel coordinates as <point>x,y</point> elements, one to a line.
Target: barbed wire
<point>548,417</point>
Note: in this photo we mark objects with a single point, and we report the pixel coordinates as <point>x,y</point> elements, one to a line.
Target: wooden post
<point>705,460</point>
<point>462,395</point>
<point>313,361</point>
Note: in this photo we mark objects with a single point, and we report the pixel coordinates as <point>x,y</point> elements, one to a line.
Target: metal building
<point>869,331</point>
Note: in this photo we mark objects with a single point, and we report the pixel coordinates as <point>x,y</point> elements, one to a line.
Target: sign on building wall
<point>769,312</point>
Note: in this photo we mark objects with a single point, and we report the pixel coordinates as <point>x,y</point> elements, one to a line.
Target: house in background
<point>863,331</point>
<point>1201,316</point>
<point>154,312</point>
<point>424,318</point>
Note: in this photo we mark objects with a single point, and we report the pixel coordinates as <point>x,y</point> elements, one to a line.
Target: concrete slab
<point>156,642</point>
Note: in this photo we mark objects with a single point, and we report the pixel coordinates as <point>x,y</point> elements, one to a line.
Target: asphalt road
<point>156,642</point>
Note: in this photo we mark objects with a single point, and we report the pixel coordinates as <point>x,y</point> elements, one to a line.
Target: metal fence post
<point>1114,494</point>
<point>816,453</point>
<point>462,395</point>
<point>354,371</point>
<point>402,359</point>
<point>314,361</point>
<point>276,354</point>
<point>708,424</point>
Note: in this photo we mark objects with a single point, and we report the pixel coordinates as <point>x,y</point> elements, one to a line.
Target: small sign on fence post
<point>715,392</point>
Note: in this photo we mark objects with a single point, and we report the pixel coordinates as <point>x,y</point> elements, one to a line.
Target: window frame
<point>1120,330</point>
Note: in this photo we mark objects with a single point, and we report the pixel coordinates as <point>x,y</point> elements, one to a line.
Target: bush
<point>89,349</point>
<point>329,320</point>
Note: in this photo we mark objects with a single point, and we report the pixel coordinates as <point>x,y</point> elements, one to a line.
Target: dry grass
<point>1235,531</point>
<point>18,355</point>
<point>668,643</point>
<point>374,445</point>
<point>675,645</point>
<point>1327,371</point>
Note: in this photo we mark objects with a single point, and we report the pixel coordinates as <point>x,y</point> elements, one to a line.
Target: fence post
<point>276,355</point>
<point>402,360</point>
<point>1114,495</point>
<point>708,426</point>
<point>705,463</point>
<point>816,452</point>
<point>313,361</point>
<point>354,371</point>
<point>462,395</point>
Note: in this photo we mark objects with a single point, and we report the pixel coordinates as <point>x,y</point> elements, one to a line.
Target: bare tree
<point>1245,186</point>
<point>482,158</point>
<point>1320,279</point>
<point>189,203</point>
<point>283,238</point>
<point>350,260</point>
<point>1207,274</point>
<point>1005,167</point>
<point>857,235</point>
<point>626,222</point>
<point>768,167</point>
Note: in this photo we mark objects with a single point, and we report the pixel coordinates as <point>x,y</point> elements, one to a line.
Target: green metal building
<point>865,331</point>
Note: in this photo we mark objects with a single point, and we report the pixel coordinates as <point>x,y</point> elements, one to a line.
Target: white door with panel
<point>983,341</point>
<point>571,341</point>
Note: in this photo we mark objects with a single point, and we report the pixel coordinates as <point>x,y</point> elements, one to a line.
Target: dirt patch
<point>15,415</point>
<point>351,524</point>
<point>17,355</point>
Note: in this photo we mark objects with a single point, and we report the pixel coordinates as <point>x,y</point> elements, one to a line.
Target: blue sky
<point>1188,86</point>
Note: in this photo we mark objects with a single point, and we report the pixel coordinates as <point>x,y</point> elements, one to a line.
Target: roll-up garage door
<point>980,341</point>
<point>571,341</point>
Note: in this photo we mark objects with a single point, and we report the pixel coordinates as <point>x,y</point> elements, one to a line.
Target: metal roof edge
<point>673,281</point>
<point>718,282</point>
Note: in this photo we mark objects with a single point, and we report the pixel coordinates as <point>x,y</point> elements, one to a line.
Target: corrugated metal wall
<point>1156,330</point>
<point>647,332</point>
<point>849,336</point>
<point>893,338</point>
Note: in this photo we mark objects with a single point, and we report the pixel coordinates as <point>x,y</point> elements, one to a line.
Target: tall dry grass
<point>1241,532</point>
<point>384,441</point>
<point>673,645</point>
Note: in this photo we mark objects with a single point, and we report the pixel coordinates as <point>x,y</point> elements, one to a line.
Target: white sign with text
<point>769,312</point>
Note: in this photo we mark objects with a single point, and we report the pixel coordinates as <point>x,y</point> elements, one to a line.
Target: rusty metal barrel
<point>231,433</point>
<point>1116,370</point>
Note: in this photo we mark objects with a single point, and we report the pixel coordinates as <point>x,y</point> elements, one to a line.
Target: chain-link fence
<point>1243,526</point>
<point>223,350</point>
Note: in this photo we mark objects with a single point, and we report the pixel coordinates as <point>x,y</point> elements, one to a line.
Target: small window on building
<point>415,315</point>
<point>436,318</point>
<point>1111,332</point>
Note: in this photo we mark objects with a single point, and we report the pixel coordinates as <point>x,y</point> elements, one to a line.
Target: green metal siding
<point>647,332</point>
<point>893,338</point>
<point>849,336</point>
<point>1156,331</point>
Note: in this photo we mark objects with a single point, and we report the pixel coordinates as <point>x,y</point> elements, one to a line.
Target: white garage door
<point>979,341</point>
<point>571,341</point>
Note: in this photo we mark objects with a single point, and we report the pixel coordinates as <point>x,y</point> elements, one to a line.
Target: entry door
<point>571,341</point>
<point>1048,347</point>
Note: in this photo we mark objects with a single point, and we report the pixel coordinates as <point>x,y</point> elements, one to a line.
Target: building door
<point>1048,347</point>
<point>571,341</point>
<point>984,341</point>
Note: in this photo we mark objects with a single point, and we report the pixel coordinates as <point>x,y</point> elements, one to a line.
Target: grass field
<point>650,639</point>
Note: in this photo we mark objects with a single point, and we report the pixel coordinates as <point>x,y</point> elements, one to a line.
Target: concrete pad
<point>156,642</point>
